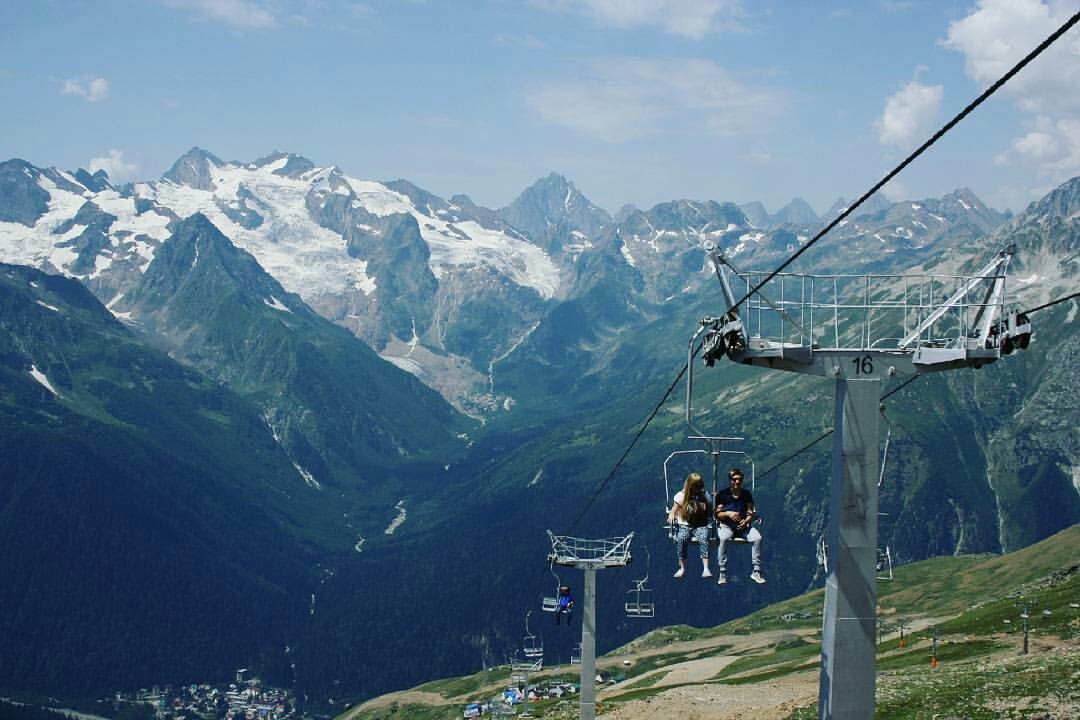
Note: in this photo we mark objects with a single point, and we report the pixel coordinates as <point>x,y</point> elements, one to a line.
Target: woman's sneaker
<point>679,573</point>
<point>706,573</point>
<point>757,577</point>
<point>721,579</point>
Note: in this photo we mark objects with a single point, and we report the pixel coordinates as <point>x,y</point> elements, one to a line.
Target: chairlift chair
<point>531,647</point>
<point>823,554</point>
<point>884,563</point>
<point>550,603</point>
<point>638,605</point>
<point>714,449</point>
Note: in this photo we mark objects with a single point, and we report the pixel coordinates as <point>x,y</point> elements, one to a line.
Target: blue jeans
<point>725,533</point>
<point>683,534</point>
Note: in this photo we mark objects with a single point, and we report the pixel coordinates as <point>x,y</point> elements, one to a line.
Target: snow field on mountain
<point>35,246</point>
<point>457,244</point>
<point>305,258</point>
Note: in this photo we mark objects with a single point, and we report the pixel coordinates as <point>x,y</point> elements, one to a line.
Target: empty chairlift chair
<point>884,563</point>
<point>532,647</point>
<point>638,602</point>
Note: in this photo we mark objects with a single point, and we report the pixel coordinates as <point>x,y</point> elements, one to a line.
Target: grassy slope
<point>966,599</point>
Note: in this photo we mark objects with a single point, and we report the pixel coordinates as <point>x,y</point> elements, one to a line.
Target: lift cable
<point>829,432</point>
<point>1051,303</point>
<point>633,442</point>
<point>881,183</point>
<point>922,148</point>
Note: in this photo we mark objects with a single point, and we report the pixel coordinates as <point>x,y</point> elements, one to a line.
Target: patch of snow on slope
<point>276,304</point>
<point>47,305</point>
<point>44,381</point>
<point>397,521</point>
<point>405,363</point>
<point>308,477</point>
<point>150,223</point>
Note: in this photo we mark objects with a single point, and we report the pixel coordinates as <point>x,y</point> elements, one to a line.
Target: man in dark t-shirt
<point>735,514</point>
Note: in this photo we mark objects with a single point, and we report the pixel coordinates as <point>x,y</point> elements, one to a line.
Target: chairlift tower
<point>859,330</point>
<point>590,556</point>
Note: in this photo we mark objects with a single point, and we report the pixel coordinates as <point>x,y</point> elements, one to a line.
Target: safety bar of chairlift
<point>668,495</point>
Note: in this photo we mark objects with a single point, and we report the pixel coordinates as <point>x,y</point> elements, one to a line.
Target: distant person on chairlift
<point>566,605</point>
<point>689,517</point>
<point>735,514</point>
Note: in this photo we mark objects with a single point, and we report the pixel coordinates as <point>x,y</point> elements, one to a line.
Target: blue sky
<point>636,101</point>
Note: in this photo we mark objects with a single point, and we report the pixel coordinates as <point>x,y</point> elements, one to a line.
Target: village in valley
<point>245,699</point>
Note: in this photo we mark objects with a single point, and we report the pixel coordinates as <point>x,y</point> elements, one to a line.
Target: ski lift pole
<point>1026,617</point>
<point>588,647</point>
<point>933,649</point>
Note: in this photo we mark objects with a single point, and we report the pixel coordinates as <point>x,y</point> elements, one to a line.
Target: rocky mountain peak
<point>22,199</point>
<point>95,183</point>
<point>874,204</point>
<point>756,213</point>
<point>553,201</point>
<point>193,169</point>
<point>295,165</point>
<point>797,212</point>
<point>625,212</point>
<point>1064,200</point>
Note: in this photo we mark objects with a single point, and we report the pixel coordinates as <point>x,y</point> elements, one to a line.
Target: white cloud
<point>896,190</point>
<point>238,13</point>
<point>628,98</point>
<point>92,90</point>
<point>688,18</point>
<point>909,113</point>
<point>997,35</point>
<point>1036,145</point>
<point>114,166</point>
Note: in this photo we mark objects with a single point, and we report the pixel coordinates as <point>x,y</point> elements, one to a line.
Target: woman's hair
<point>694,485</point>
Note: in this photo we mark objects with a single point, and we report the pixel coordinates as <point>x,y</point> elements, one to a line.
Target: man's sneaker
<point>679,573</point>
<point>706,573</point>
<point>757,577</point>
<point>721,579</point>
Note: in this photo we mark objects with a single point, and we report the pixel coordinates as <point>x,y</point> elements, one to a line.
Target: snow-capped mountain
<point>445,289</point>
<point>438,287</point>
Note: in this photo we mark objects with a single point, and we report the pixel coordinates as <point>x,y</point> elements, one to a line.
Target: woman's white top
<point>679,519</point>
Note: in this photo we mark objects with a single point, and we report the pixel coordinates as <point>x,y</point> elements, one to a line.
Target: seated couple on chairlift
<point>692,511</point>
